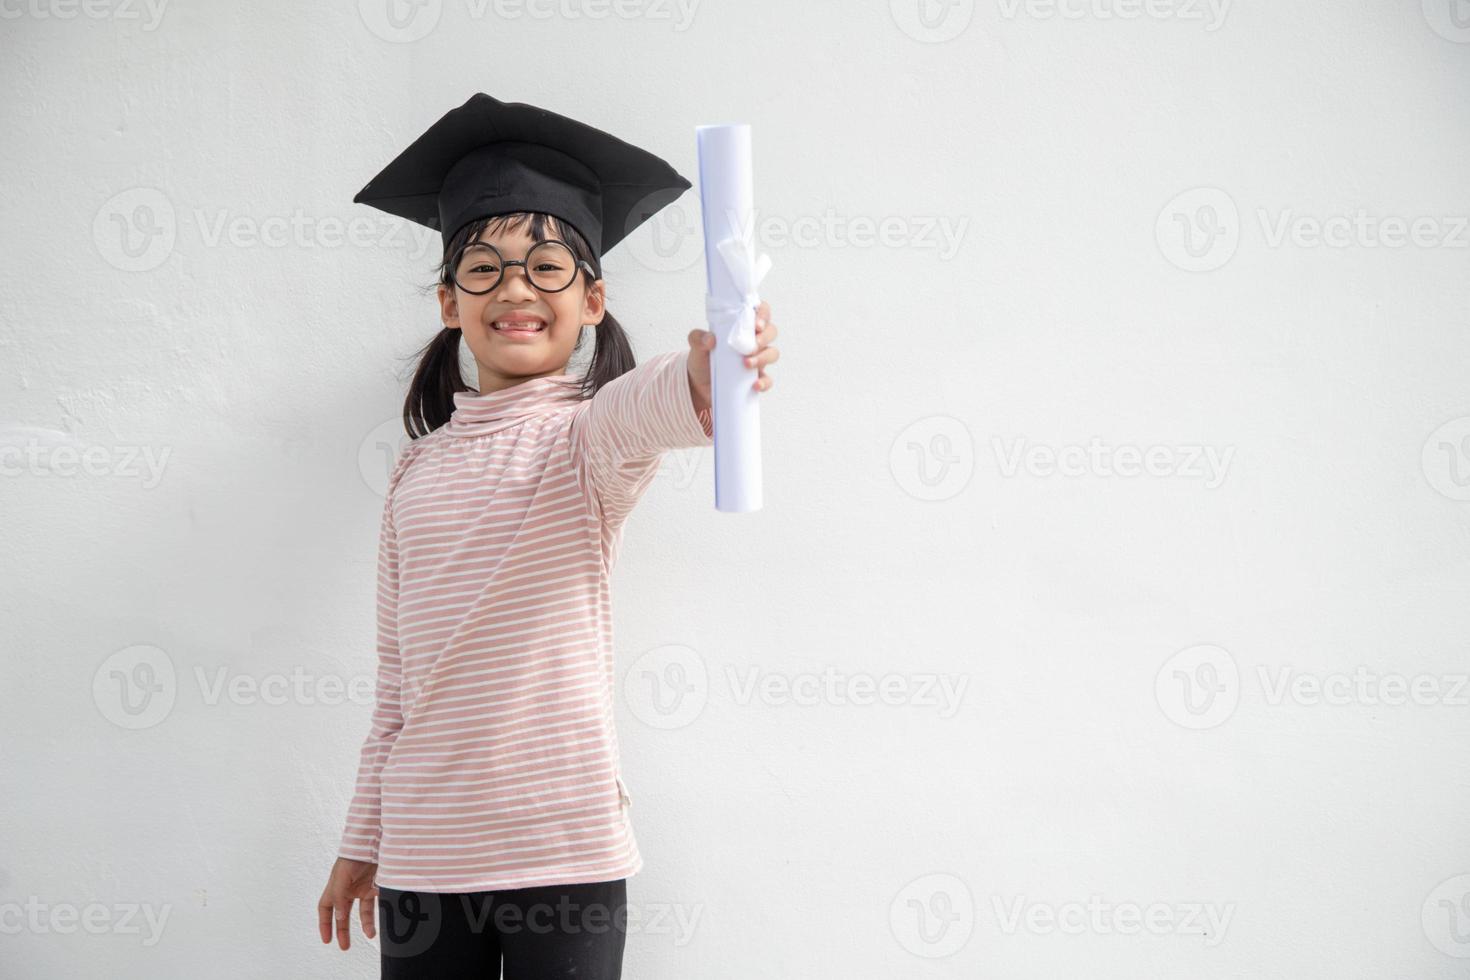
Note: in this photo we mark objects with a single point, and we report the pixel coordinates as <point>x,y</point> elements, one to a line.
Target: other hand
<point>350,881</point>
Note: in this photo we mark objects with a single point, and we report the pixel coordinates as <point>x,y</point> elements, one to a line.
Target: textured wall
<point>1107,615</point>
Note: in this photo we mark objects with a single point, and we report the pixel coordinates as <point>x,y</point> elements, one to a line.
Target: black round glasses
<point>550,266</point>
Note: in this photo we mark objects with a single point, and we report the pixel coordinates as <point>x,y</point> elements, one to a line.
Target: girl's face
<point>506,357</point>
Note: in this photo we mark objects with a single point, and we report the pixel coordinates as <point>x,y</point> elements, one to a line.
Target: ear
<point>448,308</point>
<point>595,303</point>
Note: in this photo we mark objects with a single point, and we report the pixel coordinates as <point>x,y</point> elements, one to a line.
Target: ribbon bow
<point>734,323</point>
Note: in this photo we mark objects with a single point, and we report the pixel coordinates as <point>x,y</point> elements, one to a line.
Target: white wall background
<point>1095,227</point>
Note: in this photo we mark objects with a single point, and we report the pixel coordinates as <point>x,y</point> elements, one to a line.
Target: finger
<point>368,907</point>
<point>343,912</point>
<point>762,383</point>
<point>766,332</point>
<point>762,357</point>
<point>763,311</point>
<point>324,919</point>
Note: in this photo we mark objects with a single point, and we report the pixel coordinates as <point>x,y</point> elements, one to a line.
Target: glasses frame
<point>506,263</point>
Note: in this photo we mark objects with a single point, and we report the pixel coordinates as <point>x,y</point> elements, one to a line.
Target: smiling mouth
<point>519,326</point>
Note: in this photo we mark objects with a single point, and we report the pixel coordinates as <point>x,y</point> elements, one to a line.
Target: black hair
<point>430,399</point>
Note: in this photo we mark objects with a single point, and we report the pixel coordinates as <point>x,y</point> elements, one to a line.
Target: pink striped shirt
<point>492,759</point>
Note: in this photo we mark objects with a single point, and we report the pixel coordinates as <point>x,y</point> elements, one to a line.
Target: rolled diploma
<point>732,273</point>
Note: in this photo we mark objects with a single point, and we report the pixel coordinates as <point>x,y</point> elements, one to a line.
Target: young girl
<point>490,821</point>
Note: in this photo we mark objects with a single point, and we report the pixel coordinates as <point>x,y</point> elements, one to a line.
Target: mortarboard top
<point>489,157</point>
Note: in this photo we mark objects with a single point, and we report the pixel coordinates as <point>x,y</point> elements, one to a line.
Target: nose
<point>514,284</point>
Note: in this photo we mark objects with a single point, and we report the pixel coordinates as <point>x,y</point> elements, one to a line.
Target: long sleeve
<point>360,839</point>
<point>619,435</point>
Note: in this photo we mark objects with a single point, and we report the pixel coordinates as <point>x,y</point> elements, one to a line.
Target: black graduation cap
<point>489,157</point>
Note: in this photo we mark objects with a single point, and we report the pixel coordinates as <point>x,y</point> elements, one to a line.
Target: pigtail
<point>430,399</point>
<point>612,355</point>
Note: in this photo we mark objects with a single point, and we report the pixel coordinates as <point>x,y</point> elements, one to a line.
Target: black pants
<point>540,933</point>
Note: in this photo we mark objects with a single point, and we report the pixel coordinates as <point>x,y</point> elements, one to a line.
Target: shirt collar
<point>478,414</point>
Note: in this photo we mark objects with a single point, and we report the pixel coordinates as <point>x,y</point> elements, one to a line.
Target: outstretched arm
<point>618,436</point>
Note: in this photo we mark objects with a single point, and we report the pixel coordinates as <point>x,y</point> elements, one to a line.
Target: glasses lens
<point>551,266</point>
<point>478,268</point>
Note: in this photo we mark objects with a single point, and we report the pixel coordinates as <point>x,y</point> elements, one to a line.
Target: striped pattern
<point>492,759</point>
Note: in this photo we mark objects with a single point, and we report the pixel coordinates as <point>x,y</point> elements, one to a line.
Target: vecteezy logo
<point>400,21</point>
<point>1198,687</point>
<point>413,914</point>
<point>1450,19</point>
<point>932,21</point>
<point>933,916</point>
<point>1446,916</point>
<point>669,239</point>
<point>135,687</point>
<point>1445,459</point>
<point>379,452</point>
<point>933,458</point>
<point>667,687</point>
<point>1199,230</point>
<point>134,231</point>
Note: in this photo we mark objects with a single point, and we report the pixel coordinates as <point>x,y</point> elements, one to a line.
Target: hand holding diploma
<point>701,342</point>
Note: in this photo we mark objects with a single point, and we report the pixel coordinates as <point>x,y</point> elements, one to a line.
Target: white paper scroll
<point>732,273</point>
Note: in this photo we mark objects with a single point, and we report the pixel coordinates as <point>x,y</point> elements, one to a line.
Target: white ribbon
<point>734,322</point>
